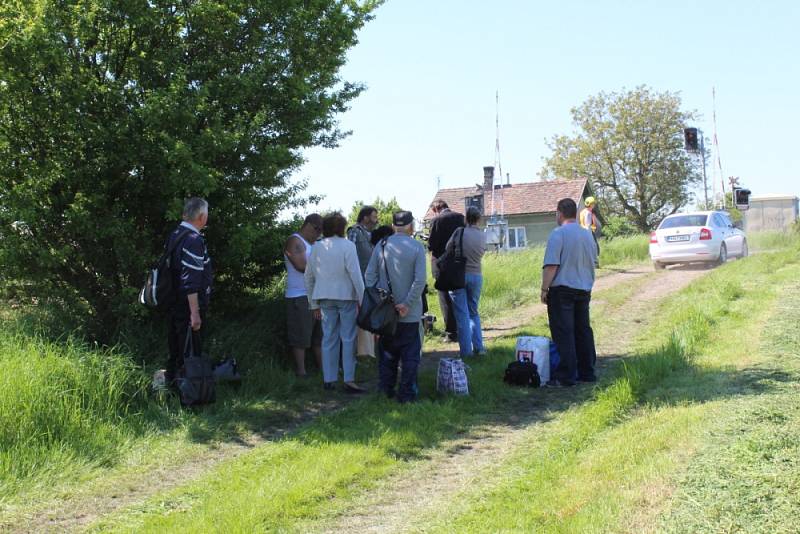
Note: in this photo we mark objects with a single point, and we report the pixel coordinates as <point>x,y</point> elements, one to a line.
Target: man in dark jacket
<point>444,224</point>
<point>361,235</point>
<point>192,275</point>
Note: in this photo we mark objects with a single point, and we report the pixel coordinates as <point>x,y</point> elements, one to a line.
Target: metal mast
<point>716,146</point>
<point>498,165</point>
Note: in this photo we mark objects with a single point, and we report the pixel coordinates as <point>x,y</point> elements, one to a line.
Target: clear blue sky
<point>432,67</point>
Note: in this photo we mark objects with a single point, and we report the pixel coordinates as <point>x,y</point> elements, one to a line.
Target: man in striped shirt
<point>192,278</point>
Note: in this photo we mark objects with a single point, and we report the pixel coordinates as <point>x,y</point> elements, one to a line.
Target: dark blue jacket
<point>191,267</point>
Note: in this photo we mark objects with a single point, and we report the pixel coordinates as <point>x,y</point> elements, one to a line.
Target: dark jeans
<point>177,329</point>
<point>568,313</point>
<point>403,348</point>
<point>449,315</point>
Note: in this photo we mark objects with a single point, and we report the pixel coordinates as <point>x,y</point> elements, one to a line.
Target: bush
<point>618,226</point>
<point>114,112</point>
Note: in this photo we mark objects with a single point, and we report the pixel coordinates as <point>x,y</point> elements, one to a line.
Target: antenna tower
<point>498,165</point>
<point>716,148</point>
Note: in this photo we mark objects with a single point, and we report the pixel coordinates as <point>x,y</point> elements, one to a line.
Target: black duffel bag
<point>377,313</point>
<point>522,373</point>
<point>452,267</point>
<point>195,380</point>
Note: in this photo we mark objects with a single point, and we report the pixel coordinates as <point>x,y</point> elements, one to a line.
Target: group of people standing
<point>329,266</point>
<point>326,279</point>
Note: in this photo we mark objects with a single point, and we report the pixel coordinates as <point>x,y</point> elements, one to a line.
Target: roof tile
<point>518,199</point>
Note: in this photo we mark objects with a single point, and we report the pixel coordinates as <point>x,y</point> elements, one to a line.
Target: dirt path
<point>429,487</point>
<point>452,468</point>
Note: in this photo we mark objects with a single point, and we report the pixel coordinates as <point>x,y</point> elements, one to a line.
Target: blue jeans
<point>465,305</point>
<point>404,347</point>
<point>338,339</point>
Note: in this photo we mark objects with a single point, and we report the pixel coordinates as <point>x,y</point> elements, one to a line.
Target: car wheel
<point>723,254</point>
<point>745,250</point>
<point>658,266</point>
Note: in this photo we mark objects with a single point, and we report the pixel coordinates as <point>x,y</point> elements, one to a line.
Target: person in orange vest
<point>588,220</point>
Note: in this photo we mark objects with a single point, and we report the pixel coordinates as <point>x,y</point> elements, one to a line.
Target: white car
<point>702,236</point>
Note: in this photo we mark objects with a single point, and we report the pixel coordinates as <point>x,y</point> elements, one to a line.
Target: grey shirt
<point>360,237</point>
<point>405,262</point>
<point>474,247</point>
<point>572,248</point>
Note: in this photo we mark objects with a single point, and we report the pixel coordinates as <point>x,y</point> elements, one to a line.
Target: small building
<point>771,213</point>
<point>523,214</point>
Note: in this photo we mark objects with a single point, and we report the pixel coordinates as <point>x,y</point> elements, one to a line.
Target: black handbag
<point>195,380</point>
<point>377,313</point>
<point>452,268</point>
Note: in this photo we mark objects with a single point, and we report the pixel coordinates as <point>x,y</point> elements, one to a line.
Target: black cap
<point>402,218</point>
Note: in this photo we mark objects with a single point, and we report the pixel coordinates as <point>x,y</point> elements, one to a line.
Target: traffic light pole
<point>703,157</point>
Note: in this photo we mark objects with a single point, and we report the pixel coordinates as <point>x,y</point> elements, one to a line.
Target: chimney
<point>488,179</point>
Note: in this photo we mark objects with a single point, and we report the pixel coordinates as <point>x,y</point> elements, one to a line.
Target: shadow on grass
<point>702,384</point>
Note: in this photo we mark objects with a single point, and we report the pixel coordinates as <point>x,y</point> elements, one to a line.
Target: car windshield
<point>684,220</point>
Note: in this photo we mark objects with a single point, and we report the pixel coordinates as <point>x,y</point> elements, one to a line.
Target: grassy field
<point>611,461</point>
<point>72,414</point>
<point>717,375</point>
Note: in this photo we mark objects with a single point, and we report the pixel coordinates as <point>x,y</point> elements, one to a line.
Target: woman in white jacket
<point>335,287</point>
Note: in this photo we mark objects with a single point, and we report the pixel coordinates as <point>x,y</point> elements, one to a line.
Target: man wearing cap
<point>588,220</point>
<point>402,258</point>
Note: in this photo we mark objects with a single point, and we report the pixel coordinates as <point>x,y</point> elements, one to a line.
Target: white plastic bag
<point>535,349</point>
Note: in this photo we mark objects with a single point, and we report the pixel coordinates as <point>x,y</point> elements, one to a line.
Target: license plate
<point>675,238</point>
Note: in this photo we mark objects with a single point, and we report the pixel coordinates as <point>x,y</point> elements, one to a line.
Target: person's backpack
<point>195,380</point>
<point>158,291</point>
<point>522,373</point>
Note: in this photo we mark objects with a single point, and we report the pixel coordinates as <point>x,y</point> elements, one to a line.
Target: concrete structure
<point>524,213</point>
<point>770,213</point>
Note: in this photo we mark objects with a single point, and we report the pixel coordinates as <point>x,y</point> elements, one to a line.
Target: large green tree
<point>630,146</point>
<point>114,111</point>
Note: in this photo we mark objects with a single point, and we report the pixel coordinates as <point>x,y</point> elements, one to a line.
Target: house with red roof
<point>524,214</point>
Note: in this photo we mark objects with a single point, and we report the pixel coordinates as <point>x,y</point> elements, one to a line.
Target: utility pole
<point>703,157</point>
<point>694,143</point>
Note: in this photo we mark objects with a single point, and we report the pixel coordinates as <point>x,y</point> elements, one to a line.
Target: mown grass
<point>605,466</point>
<point>746,478</point>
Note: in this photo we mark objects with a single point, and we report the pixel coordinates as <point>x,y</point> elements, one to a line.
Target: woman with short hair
<point>472,241</point>
<point>335,288</point>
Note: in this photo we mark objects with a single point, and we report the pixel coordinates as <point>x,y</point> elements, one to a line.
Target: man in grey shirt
<point>402,258</point>
<point>567,280</point>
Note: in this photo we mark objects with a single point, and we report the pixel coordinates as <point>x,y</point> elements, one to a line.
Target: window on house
<point>516,237</point>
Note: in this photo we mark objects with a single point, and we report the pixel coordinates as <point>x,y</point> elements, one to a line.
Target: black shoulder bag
<point>377,313</point>
<point>195,379</point>
<point>452,268</point>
